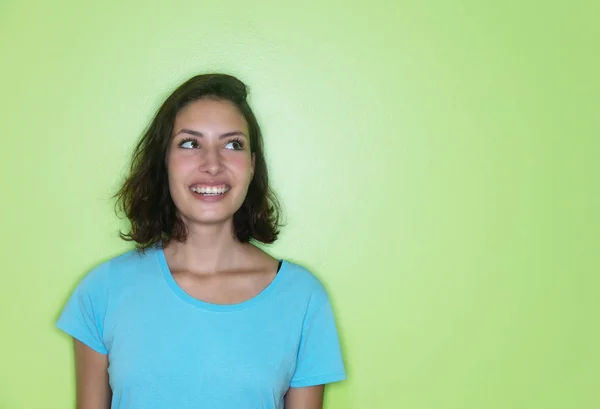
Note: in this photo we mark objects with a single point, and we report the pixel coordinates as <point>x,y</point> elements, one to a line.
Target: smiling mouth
<point>210,190</point>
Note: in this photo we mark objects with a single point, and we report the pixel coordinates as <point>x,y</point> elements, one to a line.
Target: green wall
<point>438,162</point>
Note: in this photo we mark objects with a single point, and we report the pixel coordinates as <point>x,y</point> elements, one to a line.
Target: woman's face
<point>209,161</point>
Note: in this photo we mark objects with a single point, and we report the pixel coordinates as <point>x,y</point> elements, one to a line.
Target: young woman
<point>197,316</point>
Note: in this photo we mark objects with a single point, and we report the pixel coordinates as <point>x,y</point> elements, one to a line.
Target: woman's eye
<point>188,144</point>
<point>235,145</point>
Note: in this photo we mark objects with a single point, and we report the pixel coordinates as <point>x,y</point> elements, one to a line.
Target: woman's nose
<point>213,163</point>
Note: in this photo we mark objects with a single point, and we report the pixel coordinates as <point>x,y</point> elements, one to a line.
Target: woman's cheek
<point>241,163</point>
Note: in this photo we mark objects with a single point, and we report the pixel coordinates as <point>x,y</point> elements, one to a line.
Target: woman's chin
<point>209,219</point>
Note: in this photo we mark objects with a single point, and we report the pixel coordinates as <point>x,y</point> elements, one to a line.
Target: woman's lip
<point>210,184</point>
<point>209,198</point>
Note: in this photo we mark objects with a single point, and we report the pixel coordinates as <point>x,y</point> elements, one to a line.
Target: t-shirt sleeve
<point>319,355</point>
<point>83,315</point>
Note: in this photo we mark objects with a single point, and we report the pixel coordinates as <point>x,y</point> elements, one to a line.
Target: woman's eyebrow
<point>201,135</point>
<point>233,133</point>
<point>189,131</point>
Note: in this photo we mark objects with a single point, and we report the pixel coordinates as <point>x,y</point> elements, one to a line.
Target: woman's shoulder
<point>303,279</point>
<point>125,264</point>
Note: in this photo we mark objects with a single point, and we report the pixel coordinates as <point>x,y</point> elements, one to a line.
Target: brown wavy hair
<point>144,196</point>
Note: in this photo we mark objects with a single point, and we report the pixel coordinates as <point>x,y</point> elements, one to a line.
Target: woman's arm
<point>304,398</point>
<point>91,370</point>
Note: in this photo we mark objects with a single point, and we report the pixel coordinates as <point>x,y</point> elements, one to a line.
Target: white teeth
<point>210,190</point>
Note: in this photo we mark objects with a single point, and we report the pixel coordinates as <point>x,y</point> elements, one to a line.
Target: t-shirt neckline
<point>180,293</point>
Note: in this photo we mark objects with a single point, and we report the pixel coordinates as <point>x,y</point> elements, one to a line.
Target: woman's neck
<point>207,249</point>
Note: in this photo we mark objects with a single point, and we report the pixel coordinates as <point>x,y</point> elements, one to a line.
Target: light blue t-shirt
<point>168,350</point>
